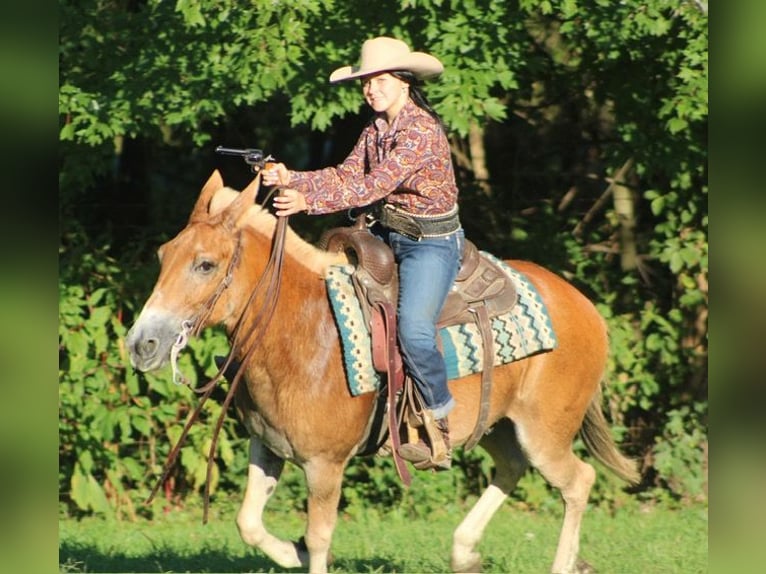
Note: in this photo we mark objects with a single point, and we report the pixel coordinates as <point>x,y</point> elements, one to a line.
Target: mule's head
<point>196,270</point>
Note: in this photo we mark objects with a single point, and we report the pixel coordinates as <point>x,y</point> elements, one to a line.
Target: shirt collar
<point>402,118</point>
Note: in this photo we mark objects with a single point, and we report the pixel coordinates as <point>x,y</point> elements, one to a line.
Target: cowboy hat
<point>384,54</point>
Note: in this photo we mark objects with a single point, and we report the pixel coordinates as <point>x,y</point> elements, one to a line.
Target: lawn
<point>647,541</point>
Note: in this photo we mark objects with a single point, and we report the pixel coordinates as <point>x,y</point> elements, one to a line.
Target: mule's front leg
<point>324,480</point>
<point>262,475</point>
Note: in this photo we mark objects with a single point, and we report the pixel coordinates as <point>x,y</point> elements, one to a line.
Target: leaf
<point>86,461</point>
<point>124,424</point>
<point>131,381</point>
<point>96,296</point>
<point>133,468</point>
<point>67,132</point>
<point>142,424</point>
<point>104,421</point>
<point>78,343</point>
<point>192,12</point>
<point>676,125</point>
<point>691,256</point>
<point>86,492</point>
<point>227,453</point>
<point>494,109</point>
<point>100,316</point>
<point>676,262</point>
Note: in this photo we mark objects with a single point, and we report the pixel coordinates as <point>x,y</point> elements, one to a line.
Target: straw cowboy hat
<point>384,54</point>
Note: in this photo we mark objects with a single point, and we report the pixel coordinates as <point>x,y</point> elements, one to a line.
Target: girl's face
<point>385,93</point>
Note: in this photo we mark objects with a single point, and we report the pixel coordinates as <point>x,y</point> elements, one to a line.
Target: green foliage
<point>681,456</point>
<point>173,68</point>
<point>89,331</point>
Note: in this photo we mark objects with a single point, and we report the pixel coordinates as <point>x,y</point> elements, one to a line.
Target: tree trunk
<point>626,217</point>
<point>479,158</point>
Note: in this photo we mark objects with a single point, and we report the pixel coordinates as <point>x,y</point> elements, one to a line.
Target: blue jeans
<point>427,270</point>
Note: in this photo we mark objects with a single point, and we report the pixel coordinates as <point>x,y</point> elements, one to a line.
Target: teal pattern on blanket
<point>524,331</point>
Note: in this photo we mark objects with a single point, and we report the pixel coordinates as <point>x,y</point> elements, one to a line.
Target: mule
<point>296,402</point>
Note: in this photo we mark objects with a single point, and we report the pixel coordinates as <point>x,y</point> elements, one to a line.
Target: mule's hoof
<point>584,567</point>
<point>473,566</point>
<point>303,551</point>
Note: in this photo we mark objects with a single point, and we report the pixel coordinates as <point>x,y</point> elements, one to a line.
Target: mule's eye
<point>205,266</point>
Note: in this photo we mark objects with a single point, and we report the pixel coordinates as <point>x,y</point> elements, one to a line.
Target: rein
<point>269,283</point>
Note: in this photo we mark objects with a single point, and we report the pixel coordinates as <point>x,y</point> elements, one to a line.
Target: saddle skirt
<point>519,321</point>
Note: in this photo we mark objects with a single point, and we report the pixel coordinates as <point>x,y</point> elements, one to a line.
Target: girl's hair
<point>417,94</point>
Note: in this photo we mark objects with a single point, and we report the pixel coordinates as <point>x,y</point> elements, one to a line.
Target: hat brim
<point>419,63</point>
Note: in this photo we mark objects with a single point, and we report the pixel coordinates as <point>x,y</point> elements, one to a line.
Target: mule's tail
<point>598,440</point>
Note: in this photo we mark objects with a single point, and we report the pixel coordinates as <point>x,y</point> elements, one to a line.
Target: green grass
<point>649,541</point>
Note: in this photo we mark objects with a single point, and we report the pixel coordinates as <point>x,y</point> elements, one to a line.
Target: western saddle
<point>481,291</point>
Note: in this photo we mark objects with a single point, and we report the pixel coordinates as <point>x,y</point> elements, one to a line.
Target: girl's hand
<point>289,201</point>
<point>275,174</point>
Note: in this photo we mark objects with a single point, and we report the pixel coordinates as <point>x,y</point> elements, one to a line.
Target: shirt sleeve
<point>347,185</point>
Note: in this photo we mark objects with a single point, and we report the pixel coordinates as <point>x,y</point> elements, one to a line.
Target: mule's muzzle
<point>147,348</point>
<point>149,341</point>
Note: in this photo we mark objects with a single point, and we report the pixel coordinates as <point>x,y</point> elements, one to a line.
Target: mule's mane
<point>260,220</point>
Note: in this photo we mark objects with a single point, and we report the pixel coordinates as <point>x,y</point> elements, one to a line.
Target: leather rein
<point>268,285</point>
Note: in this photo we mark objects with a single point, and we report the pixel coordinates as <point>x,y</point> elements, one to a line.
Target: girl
<point>402,167</point>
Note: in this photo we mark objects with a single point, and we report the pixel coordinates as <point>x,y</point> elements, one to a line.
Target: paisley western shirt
<point>408,164</point>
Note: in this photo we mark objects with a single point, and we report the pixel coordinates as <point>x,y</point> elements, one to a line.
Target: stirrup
<point>445,464</point>
<point>420,456</point>
<point>439,455</point>
<point>415,452</point>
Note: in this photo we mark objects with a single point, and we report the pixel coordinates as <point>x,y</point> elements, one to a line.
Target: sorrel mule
<point>296,402</point>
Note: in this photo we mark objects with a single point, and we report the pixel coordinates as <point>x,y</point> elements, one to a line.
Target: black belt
<point>418,227</point>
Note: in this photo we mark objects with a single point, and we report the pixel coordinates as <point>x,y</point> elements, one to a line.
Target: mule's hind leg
<point>510,465</point>
<point>574,479</point>
<point>262,475</point>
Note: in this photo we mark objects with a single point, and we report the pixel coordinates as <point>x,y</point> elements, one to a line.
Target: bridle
<point>191,328</point>
<point>269,284</point>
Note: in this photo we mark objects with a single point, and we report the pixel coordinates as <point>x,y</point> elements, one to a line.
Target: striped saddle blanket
<point>524,331</point>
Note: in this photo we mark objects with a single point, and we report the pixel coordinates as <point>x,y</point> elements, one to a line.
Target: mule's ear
<point>202,207</point>
<point>243,202</point>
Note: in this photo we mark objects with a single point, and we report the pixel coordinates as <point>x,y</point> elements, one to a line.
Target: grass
<point>649,541</point>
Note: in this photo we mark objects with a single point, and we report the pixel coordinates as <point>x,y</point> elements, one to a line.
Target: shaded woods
<point>580,139</point>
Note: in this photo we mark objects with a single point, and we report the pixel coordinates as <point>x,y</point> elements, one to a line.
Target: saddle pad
<point>522,332</point>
